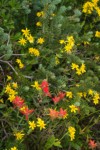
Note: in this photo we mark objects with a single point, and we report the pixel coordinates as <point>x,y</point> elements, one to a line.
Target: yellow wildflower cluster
<point>40,14</point>
<point>14,148</point>
<point>34,51</point>
<point>27,37</point>
<point>21,65</point>
<point>40,123</point>
<point>96,98</point>
<point>71,131</point>
<point>79,70</point>
<point>97,34</point>
<point>88,7</point>
<point>10,90</point>
<point>68,44</point>
<point>36,85</point>
<point>19,135</point>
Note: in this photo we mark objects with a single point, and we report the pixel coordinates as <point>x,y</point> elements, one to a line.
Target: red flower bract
<point>45,87</point>
<point>18,102</point>
<point>92,144</point>
<point>26,111</point>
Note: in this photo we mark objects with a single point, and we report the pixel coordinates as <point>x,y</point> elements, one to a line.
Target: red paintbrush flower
<point>44,84</point>
<point>53,114</point>
<point>26,111</point>
<point>45,87</point>
<point>18,102</point>
<point>61,95</point>
<point>62,113</point>
<point>56,99</point>
<point>92,144</point>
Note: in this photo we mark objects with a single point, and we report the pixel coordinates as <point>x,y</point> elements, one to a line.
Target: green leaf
<point>2,106</point>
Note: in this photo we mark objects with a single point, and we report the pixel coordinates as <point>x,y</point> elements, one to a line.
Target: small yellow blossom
<point>11,98</point>
<point>25,32</point>
<point>69,94</point>
<point>30,38</point>
<point>90,92</point>
<point>96,98</point>
<point>21,65</point>
<point>73,108</point>
<point>82,68</point>
<point>19,135</point>
<point>70,44</point>
<point>22,41</point>
<point>80,94</point>
<point>40,14</point>
<point>88,7</point>
<point>74,66</point>
<point>40,123</point>
<point>15,85</point>
<point>40,40</point>
<point>14,148</point>
<point>34,51</point>
<point>71,131</point>
<point>32,125</point>
<point>36,85</point>
<point>9,78</point>
<point>61,41</point>
<point>8,88</point>
<point>98,10</point>
<point>38,24</point>
<point>97,34</point>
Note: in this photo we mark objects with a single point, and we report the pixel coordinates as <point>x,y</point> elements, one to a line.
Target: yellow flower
<point>98,10</point>
<point>74,66</point>
<point>78,72</point>
<point>40,123</point>
<point>69,94</point>
<point>19,135</point>
<point>61,41</point>
<point>40,14</point>
<point>80,94</point>
<point>70,44</point>
<point>30,38</point>
<point>97,34</point>
<point>96,98</point>
<point>40,40</point>
<point>71,131</point>
<point>90,92</point>
<point>11,97</point>
<point>15,85</point>
<point>32,125</point>
<point>73,108</point>
<point>9,78</point>
<point>14,148</point>
<point>25,32</point>
<point>88,7</point>
<point>34,51</point>
<point>36,85</point>
<point>22,41</point>
<point>38,24</point>
<point>82,68</point>
<point>21,65</point>
<point>8,88</point>
<point>95,2</point>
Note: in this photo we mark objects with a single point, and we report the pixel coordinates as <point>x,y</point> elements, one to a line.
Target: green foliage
<point>56,80</point>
